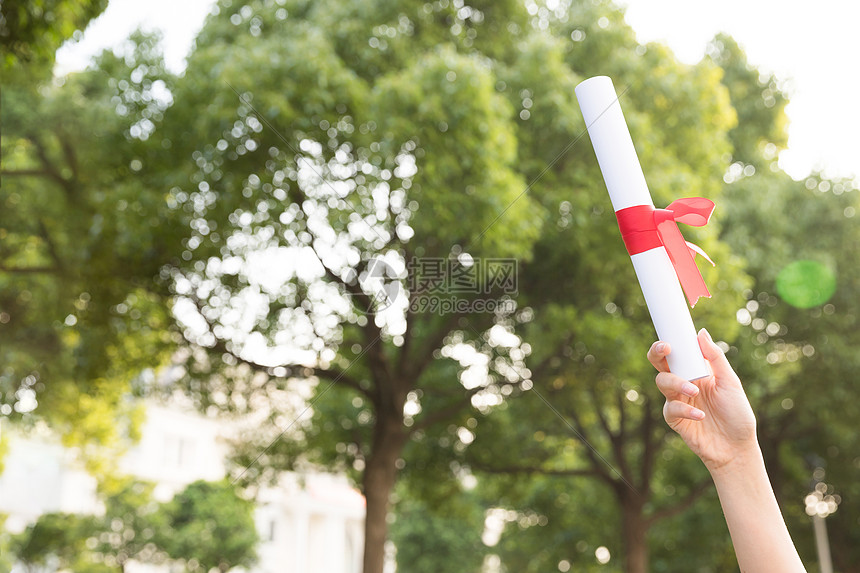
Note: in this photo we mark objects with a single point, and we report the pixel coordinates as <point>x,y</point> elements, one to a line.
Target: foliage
<point>312,167</point>
<point>131,525</point>
<point>758,100</point>
<point>433,539</point>
<point>780,225</point>
<point>592,420</point>
<point>307,140</point>
<point>4,448</point>
<point>790,354</point>
<point>6,559</point>
<point>210,526</point>
<point>774,222</point>
<point>84,234</point>
<point>205,526</point>
<point>55,540</point>
<point>31,32</point>
<point>394,130</point>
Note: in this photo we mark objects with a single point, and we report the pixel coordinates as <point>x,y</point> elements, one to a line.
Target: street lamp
<point>820,504</point>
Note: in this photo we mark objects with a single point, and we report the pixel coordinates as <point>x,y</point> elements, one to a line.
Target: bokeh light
<point>805,283</point>
<point>602,554</point>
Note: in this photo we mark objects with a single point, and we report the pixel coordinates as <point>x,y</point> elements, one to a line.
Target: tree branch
<point>604,423</point>
<point>49,168</point>
<point>425,353</point>
<point>406,347</point>
<point>29,270</point>
<point>646,428</point>
<point>596,463</point>
<point>52,246</point>
<point>26,173</point>
<point>446,411</point>
<point>336,376</point>
<point>530,470</point>
<point>354,291</point>
<point>615,438</point>
<point>376,358</point>
<point>691,498</point>
<point>70,155</point>
<point>542,369</point>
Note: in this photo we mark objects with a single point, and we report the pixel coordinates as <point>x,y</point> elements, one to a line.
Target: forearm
<point>760,537</point>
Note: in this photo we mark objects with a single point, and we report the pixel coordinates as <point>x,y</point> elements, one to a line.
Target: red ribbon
<point>644,228</point>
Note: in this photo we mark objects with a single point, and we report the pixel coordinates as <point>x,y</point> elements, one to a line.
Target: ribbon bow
<point>644,228</point>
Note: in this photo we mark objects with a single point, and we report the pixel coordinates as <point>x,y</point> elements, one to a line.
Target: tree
<point>595,417</point>
<point>796,353</point>
<point>205,526</point>
<point>786,317</point>
<point>132,524</point>
<point>758,100</point>
<point>796,350</point>
<point>84,235</point>
<point>5,547</point>
<point>210,526</point>
<point>323,161</point>
<point>430,539</point>
<point>55,540</point>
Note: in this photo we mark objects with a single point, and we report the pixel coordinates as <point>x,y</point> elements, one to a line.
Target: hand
<point>712,414</point>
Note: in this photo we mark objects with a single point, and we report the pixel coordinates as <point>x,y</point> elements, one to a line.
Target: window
<point>178,452</point>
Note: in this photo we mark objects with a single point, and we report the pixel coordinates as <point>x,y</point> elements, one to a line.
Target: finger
<point>675,410</point>
<point>672,386</point>
<point>715,356</point>
<point>657,355</point>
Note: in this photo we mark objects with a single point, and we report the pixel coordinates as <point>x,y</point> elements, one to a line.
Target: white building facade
<point>311,523</point>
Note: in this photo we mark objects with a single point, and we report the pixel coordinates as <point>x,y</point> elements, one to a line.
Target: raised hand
<point>712,414</point>
<point>715,419</point>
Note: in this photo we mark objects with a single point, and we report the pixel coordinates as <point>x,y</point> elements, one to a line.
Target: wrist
<point>744,459</point>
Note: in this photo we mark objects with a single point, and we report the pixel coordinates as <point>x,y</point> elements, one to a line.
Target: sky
<point>178,20</point>
<point>809,46</point>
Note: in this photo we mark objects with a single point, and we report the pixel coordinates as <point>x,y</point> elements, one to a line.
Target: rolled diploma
<point>626,185</point>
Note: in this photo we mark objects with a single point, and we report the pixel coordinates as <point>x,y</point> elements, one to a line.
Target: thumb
<point>715,356</point>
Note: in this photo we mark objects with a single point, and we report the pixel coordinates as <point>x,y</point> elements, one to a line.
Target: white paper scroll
<point>627,188</point>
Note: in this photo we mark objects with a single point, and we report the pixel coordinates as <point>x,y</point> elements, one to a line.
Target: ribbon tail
<point>685,266</point>
<point>697,250</point>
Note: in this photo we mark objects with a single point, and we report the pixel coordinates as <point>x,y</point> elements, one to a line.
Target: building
<point>310,523</point>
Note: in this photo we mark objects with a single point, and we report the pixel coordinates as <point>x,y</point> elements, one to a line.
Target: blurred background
<point>337,287</point>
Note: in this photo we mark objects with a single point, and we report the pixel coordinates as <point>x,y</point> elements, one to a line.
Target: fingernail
<point>661,346</point>
<point>697,414</point>
<point>689,389</point>
<point>708,334</point>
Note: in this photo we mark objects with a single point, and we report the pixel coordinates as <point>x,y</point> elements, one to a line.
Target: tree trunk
<point>380,474</point>
<point>635,532</point>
